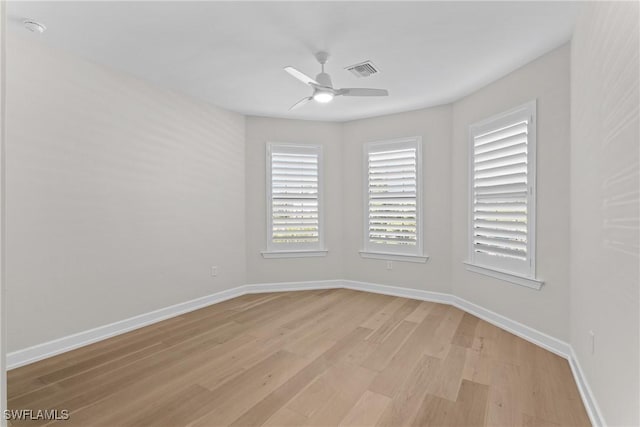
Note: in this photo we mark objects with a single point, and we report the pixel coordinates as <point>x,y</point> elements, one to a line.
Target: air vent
<point>363,69</point>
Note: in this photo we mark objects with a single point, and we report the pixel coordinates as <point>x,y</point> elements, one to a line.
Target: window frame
<point>389,252</point>
<point>294,250</point>
<point>519,272</point>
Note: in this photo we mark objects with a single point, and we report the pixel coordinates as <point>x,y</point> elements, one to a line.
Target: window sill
<point>394,257</point>
<point>508,277</point>
<point>294,254</point>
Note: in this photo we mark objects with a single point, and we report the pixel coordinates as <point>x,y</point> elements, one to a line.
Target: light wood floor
<point>334,357</point>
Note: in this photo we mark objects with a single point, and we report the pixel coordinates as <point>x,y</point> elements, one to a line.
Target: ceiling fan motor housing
<point>324,79</point>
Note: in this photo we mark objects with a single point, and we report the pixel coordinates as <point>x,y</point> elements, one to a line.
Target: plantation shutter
<point>295,219</point>
<point>392,197</point>
<point>502,191</point>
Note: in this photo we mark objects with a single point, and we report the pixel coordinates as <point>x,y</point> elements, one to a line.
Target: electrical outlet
<point>592,335</point>
<point>214,271</point>
<point>389,265</point>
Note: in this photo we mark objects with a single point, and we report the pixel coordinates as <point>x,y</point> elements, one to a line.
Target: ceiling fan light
<point>323,97</point>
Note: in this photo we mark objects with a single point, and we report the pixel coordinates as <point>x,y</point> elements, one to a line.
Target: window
<point>502,195</point>
<point>393,225</point>
<point>294,200</point>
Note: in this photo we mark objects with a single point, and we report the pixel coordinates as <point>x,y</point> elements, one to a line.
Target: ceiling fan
<point>323,90</point>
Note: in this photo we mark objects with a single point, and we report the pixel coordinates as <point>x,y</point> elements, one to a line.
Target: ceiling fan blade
<point>356,91</point>
<point>301,103</point>
<point>301,76</point>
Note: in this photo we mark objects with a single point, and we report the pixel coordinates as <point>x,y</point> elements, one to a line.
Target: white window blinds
<point>392,179</point>
<point>294,197</point>
<point>502,192</point>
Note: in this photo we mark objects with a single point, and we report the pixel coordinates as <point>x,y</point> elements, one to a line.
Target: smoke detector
<point>34,26</point>
<point>363,69</point>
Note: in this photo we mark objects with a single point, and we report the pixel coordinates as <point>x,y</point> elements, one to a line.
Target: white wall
<point>261,130</point>
<point>434,126</point>
<point>120,196</point>
<point>605,189</point>
<point>547,80</point>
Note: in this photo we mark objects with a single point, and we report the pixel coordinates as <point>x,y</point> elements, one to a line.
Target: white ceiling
<point>232,53</point>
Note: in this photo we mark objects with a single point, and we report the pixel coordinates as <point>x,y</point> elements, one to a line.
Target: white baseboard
<point>588,398</point>
<point>398,291</point>
<point>51,348</point>
<point>258,288</point>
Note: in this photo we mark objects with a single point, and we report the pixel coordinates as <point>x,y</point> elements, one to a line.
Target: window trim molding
<point>288,250</point>
<point>394,257</point>
<point>504,275</point>
<point>388,251</point>
<point>528,110</point>
<point>294,254</point>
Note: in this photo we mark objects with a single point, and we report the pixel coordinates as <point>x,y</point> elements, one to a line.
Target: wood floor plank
<point>310,345</point>
<point>95,362</point>
<point>238,360</point>
<point>311,398</point>
<point>531,421</point>
<point>220,330</point>
<point>385,329</point>
<point>241,359</point>
<point>144,379</point>
<point>237,396</point>
<point>471,405</point>
<point>348,382</point>
<point>505,400</point>
<point>146,391</point>
<point>408,399</point>
<point>301,315</point>
<point>326,357</point>
<point>267,407</point>
<point>403,362</point>
<point>435,411</point>
<point>254,302</point>
<point>271,309</point>
<point>307,314</point>
<point>438,345</point>
<point>346,345</point>
<point>360,352</point>
<point>381,316</point>
<point>447,382</point>
<point>178,407</point>
<point>468,410</point>
<point>366,411</point>
<point>20,379</point>
<point>381,356</point>
<point>39,396</point>
<point>420,312</point>
<point>477,367</point>
<point>285,417</point>
<point>466,331</point>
